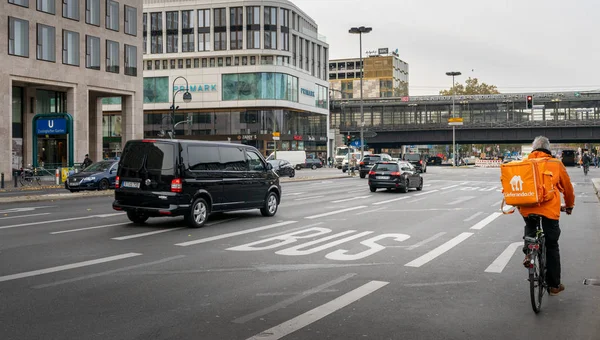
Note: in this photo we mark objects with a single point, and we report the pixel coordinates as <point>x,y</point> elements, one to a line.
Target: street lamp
<point>453,74</point>
<point>187,97</point>
<point>360,30</point>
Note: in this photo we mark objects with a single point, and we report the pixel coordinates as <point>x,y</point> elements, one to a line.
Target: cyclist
<point>586,160</point>
<point>550,212</point>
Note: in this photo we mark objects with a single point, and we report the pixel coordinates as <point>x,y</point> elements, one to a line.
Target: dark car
<point>417,160</point>
<point>394,175</point>
<point>283,168</point>
<point>193,179</point>
<point>98,176</point>
<point>312,163</point>
<point>369,160</point>
<point>434,160</point>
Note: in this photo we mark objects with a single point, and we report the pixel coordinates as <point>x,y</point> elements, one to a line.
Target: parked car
<point>417,160</point>
<point>283,168</point>
<point>98,176</point>
<point>296,158</point>
<point>313,163</point>
<point>395,175</point>
<point>193,179</point>
<point>369,160</point>
<point>434,160</point>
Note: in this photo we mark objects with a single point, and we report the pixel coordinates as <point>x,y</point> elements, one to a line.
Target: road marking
<point>392,200</point>
<point>426,185</point>
<point>293,193</point>
<point>290,230</point>
<point>308,198</point>
<point>486,221</point>
<point>350,199</point>
<point>318,313</point>
<point>296,250</point>
<point>416,245</point>
<point>460,200</point>
<point>67,267</point>
<point>25,209</point>
<point>369,211</point>
<point>417,200</point>
<point>237,233</point>
<point>437,283</point>
<point>335,212</point>
<point>488,189</point>
<point>294,299</point>
<point>122,238</point>
<point>473,216</point>
<point>61,220</point>
<point>427,192</point>
<point>355,191</point>
<point>23,216</point>
<point>497,204</point>
<point>91,276</point>
<point>418,262</point>
<point>498,265</point>
<point>88,228</point>
<point>452,186</point>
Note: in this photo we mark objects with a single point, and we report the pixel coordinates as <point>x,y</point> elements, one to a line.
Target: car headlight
<point>89,179</point>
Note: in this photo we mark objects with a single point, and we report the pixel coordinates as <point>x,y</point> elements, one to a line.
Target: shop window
<point>156,90</point>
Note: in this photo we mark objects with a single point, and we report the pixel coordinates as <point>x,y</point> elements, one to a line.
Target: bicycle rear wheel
<point>536,282</point>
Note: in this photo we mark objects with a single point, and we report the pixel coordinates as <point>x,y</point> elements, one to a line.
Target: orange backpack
<point>526,183</point>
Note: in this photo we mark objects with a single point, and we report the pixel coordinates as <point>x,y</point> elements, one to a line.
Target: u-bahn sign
<point>455,121</point>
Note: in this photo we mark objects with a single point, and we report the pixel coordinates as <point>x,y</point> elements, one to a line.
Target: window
<point>204,62</point>
<point>70,48</point>
<point>203,158</point>
<point>196,62</point>
<point>92,12</point>
<point>24,3</point>
<point>156,90</point>
<point>112,15</point>
<point>294,49</point>
<point>270,27</point>
<point>165,64</point>
<point>92,52</point>
<point>130,20</point>
<point>172,63</point>
<point>204,30</point>
<point>232,159</point>
<point>18,37</point>
<point>131,60</point>
<point>236,26</point>
<point>255,163</point>
<point>145,31</point>
<point>71,9</point>
<point>172,32</point>
<point>253,27</point>
<point>156,65</point>
<point>156,39</point>
<point>285,29</point>
<point>180,63</point>
<point>47,6</point>
<point>254,86</point>
<point>187,32</point>
<point>112,56</point>
<point>220,29</point>
<point>46,43</point>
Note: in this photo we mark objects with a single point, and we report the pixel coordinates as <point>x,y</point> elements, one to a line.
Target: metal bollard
<point>16,174</point>
<point>57,176</point>
<point>2,180</point>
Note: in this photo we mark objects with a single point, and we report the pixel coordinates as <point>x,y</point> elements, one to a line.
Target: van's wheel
<point>271,205</point>
<point>404,188</point>
<point>373,189</point>
<point>103,184</point>
<point>137,218</point>
<point>293,173</point>
<point>198,214</point>
<point>420,187</point>
<point>363,175</point>
<point>298,167</point>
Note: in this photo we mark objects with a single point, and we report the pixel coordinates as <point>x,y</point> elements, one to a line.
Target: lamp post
<point>360,30</point>
<point>453,74</point>
<point>187,97</point>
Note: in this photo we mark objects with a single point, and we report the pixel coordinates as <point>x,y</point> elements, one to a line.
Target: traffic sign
<point>455,121</point>
<point>276,134</point>
<point>275,138</point>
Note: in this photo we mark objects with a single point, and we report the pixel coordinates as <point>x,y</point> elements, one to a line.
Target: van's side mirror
<point>269,166</point>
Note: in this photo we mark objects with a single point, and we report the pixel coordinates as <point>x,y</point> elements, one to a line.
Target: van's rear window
<point>158,156</point>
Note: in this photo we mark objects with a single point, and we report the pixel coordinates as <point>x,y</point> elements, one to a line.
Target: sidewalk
<point>315,175</point>
<point>10,186</point>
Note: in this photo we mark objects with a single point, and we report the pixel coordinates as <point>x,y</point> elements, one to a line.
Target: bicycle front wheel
<point>536,283</point>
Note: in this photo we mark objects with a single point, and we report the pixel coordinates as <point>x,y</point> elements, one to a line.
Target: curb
<point>33,188</point>
<point>55,197</point>
<point>596,184</point>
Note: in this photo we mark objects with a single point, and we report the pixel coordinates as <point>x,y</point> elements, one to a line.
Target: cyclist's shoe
<point>555,291</point>
<point>527,261</point>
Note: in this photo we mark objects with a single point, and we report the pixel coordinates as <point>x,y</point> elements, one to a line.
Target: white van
<point>296,158</point>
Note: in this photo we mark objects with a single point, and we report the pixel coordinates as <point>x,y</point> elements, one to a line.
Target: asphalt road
<point>336,262</point>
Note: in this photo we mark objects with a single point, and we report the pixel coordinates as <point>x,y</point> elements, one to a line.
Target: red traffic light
<point>348,136</point>
<point>529,97</point>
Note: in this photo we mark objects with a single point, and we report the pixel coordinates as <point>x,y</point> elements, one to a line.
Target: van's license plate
<point>127,184</point>
<point>383,177</point>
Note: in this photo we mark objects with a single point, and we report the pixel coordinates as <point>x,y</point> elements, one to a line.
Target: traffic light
<point>348,140</point>
<point>529,102</point>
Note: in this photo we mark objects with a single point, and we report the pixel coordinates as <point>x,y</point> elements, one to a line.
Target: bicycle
<point>28,176</point>
<point>586,168</point>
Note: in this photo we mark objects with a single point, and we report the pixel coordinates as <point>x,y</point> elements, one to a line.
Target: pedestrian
<point>352,165</point>
<point>86,162</point>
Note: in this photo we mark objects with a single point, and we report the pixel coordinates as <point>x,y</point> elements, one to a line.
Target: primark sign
<point>198,88</point>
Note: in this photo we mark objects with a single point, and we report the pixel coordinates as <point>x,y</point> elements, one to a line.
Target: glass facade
<point>254,86</point>
<point>321,97</point>
<point>156,89</point>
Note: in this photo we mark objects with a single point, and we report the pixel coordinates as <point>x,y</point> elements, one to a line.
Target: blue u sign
<point>51,126</point>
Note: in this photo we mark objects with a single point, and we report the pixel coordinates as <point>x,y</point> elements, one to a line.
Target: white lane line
<point>437,283</point>
<point>308,198</point>
<point>392,200</point>
<point>417,200</point>
<point>67,267</point>
<point>293,299</point>
<point>237,233</point>
<point>355,191</point>
<point>486,221</point>
<point>418,262</point>
<point>497,204</point>
<point>427,192</point>
<point>501,261</point>
<point>23,216</point>
<point>293,229</point>
<point>25,209</point>
<point>220,221</point>
<point>293,193</point>
<point>473,216</point>
<point>426,185</point>
<point>488,189</point>
<point>88,228</point>
<point>452,186</point>
<point>417,245</point>
<point>61,220</point>
<point>460,200</point>
<point>369,211</point>
<point>129,237</point>
<point>335,212</point>
<point>91,276</point>
<point>318,313</point>
<point>350,199</point>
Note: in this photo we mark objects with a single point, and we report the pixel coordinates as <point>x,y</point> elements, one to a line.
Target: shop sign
<point>311,138</point>
<point>198,88</point>
<point>323,139</point>
<point>307,92</point>
<point>247,137</point>
<point>53,126</point>
<point>296,137</point>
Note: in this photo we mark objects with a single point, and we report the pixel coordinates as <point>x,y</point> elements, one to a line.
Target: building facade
<point>253,68</point>
<point>60,58</point>
<point>385,75</point>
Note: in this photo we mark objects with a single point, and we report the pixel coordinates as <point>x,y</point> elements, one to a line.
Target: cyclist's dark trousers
<point>552,233</point>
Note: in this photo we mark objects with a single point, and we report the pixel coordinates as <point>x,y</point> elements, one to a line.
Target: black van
<point>194,179</point>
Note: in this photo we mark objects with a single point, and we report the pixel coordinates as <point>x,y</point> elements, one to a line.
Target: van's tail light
<point>117,182</point>
<point>362,163</point>
<point>176,185</point>
<point>395,173</point>
<point>371,172</point>
<point>421,162</point>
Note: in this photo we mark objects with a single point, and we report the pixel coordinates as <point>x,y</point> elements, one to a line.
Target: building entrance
<point>52,151</point>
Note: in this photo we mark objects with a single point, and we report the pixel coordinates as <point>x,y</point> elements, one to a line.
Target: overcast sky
<point>517,45</point>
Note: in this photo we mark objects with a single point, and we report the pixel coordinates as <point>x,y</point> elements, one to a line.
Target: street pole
<point>453,74</point>
<point>187,97</point>
<point>362,112</point>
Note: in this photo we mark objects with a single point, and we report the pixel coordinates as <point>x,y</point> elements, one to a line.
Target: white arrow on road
<point>350,199</point>
<point>498,265</point>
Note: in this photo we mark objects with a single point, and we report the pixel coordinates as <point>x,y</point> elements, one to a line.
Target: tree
<point>472,86</point>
